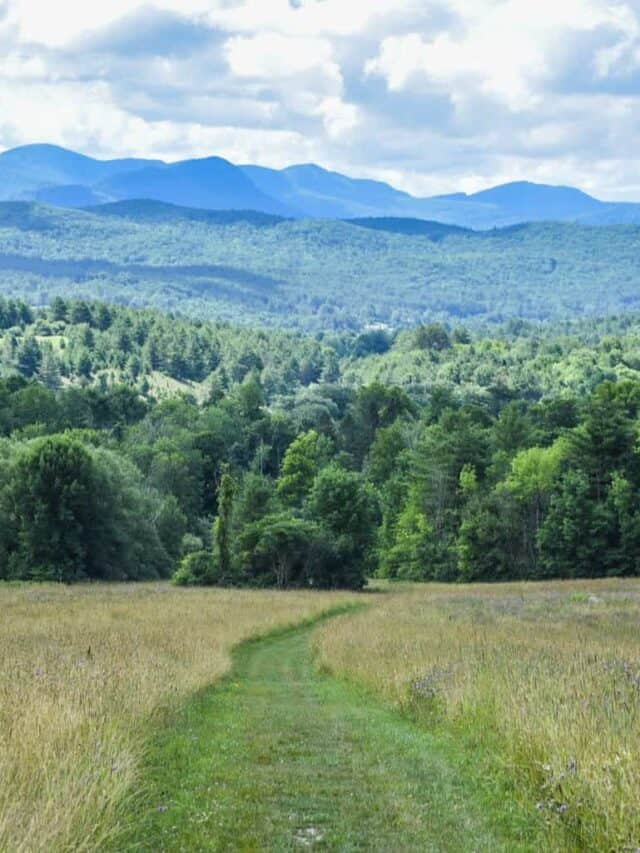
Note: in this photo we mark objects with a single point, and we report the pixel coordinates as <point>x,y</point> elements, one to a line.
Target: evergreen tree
<point>58,309</point>
<point>28,356</point>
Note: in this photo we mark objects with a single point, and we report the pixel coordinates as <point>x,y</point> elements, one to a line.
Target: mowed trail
<point>280,757</point>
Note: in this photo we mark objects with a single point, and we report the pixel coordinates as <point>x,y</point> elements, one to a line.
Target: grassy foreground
<point>84,670</point>
<point>545,677</point>
<point>528,699</point>
<point>278,757</point>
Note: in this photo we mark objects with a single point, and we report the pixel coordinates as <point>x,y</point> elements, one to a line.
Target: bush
<point>196,569</point>
<point>285,551</point>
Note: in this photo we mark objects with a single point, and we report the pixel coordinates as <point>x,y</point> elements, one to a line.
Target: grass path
<point>279,757</point>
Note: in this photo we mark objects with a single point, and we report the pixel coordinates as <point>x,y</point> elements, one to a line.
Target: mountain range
<point>63,178</point>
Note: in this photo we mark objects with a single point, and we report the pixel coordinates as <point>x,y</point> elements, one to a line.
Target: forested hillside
<point>255,269</point>
<point>134,443</point>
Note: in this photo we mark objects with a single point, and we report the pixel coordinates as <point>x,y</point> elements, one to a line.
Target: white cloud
<point>502,50</point>
<point>275,57</point>
<point>339,117</point>
<point>108,130</point>
<point>57,23</point>
<point>309,17</point>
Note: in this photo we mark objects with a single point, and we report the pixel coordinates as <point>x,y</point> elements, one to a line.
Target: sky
<point>433,96</point>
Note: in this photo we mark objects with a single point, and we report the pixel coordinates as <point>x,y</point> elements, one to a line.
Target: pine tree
<point>29,357</point>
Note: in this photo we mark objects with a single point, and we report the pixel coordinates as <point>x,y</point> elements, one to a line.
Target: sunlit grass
<point>547,677</point>
<point>84,671</point>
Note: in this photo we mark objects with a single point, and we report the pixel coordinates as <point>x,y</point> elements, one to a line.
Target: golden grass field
<point>546,677</point>
<point>82,672</point>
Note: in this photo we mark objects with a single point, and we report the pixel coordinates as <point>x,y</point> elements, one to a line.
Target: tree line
<point>309,479</point>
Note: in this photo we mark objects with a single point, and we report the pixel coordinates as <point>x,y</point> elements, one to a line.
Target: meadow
<point>85,672</point>
<point>529,689</point>
<point>543,679</point>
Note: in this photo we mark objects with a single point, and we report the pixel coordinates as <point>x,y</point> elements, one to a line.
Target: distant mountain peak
<point>528,188</point>
<point>36,147</point>
<point>308,167</point>
<point>530,201</point>
<point>214,159</point>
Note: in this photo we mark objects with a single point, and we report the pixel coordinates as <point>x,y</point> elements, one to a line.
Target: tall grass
<point>82,673</point>
<point>545,677</point>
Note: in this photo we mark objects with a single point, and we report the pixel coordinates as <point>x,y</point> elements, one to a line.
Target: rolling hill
<point>316,275</point>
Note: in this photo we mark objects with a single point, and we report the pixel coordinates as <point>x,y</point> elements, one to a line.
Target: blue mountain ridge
<point>64,178</point>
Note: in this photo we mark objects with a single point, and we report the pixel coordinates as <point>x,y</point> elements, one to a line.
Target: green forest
<point>252,269</point>
<point>138,445</point>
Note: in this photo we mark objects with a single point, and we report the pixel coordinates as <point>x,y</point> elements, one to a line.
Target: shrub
<point>196,569</point>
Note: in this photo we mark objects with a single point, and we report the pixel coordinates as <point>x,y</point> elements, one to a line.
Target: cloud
<point>148,32</point>
<point>503,51</point>
<point>275,57</point>
<point>307,17</point>
<point>58,24</point>
<point>436,95</point>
